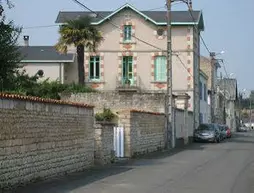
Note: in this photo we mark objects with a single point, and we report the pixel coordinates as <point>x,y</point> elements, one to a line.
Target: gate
<point>119,142</point>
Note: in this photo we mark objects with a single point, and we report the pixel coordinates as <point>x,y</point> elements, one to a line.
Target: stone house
<point>123,61</point>
<point>204,115</point>
<point>47,59</point>
<point>212,74</point>
<point>227,87</point>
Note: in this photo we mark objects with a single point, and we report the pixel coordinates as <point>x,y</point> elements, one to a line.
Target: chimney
<point>26,40</point>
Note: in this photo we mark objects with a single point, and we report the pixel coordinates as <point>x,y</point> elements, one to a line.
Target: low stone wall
<point>144,132</point>
<point>154,102</point>
<point>104,143</point>
<point>40,139</point>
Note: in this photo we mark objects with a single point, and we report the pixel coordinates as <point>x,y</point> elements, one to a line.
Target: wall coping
<point>42,100</point>
<point>146,112</point>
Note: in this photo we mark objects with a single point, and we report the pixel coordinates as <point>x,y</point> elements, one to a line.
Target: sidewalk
<point>67,183</point>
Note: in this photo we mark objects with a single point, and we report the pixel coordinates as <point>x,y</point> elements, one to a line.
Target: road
<point>227,167</point>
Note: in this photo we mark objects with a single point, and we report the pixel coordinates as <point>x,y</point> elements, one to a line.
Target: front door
<point>127,70</point>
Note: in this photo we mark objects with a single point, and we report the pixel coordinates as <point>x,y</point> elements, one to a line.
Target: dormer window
<point>127,32</point>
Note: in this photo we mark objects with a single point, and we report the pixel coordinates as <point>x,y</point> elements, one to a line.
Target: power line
<point>202,39</point>
<point>41,26</point>
<point>224,67</point>
<point>178,57</point>
<point>98,15</point>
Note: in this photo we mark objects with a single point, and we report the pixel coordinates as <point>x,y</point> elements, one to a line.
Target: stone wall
<point>144,132</point>
<point>40,139</point>
<point>154,102</point>
<point>104,144</point>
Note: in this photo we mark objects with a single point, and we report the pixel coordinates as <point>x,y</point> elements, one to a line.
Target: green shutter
<point>160,68</point>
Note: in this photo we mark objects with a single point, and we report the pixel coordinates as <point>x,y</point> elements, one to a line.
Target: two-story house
<point>211,70</point>
<point>227,87</point>
<point>133,52</point>
<point>204,115</point>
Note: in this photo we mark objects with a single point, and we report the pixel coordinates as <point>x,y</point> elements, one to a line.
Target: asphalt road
<point>227,167</point>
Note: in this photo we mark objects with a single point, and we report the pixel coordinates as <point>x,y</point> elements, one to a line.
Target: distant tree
<point>9,4</point>
<point>9,52</point>
<point>82,35</point>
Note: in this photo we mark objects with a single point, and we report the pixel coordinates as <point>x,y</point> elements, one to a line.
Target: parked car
<point>243,129</point>
<point>207,133</point>
<point>223,132</point>
<point>226,131</point>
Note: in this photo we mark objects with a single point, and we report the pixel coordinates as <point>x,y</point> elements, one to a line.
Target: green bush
<point>23,84</point>
<point>106,115</point>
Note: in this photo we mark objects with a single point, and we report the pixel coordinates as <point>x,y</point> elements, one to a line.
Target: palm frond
<point>61,46</point>
<point>79,32</point>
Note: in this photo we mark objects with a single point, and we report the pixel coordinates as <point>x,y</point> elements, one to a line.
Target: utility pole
<point>213,65</point>
<point>224,101</point>
<point>250,111</point>
<point>170,119</point>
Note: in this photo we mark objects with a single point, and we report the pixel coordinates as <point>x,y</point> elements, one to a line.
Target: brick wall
<point>144,132</point>
<point>40,140</point>
<point>117,102</point>
<point>104,143</point>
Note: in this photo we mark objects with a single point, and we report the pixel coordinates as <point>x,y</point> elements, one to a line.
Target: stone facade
<point>154,102</point>
<point>104,144</point>
<point>40,140</point>
<point>144,132</point>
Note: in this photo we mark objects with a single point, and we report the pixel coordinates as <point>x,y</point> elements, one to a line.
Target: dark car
<point>227,131</point>
<point>207,133</point>
<point>223,131</point>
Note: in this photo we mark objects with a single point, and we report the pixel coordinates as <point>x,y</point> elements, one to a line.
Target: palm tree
<point>82,35</point>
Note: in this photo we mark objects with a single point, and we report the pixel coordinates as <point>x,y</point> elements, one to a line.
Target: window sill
<point>160,82</point>
<point>128,42</point>
<point>96,81</point>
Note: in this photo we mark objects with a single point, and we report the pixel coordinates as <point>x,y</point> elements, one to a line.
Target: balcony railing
<point>127,85</point>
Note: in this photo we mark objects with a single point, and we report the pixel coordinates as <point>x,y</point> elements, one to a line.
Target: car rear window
<point>205,127</point>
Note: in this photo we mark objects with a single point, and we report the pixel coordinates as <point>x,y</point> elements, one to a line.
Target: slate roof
<point>159,17</point>
<point>43,54</point>
<point>230,87</point>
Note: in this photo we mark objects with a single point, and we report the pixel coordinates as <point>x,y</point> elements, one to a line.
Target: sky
<point>229,27</point>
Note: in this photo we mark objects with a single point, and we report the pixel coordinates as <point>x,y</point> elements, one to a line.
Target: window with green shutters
<point>94,68</point>
<point>127,32</point>
<point>160,68</point>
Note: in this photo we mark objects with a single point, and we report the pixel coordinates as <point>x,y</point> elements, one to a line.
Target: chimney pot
<point>26,40</point>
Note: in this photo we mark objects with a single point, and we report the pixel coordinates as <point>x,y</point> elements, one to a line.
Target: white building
<point>204,115</point>
<point>53,64</point>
